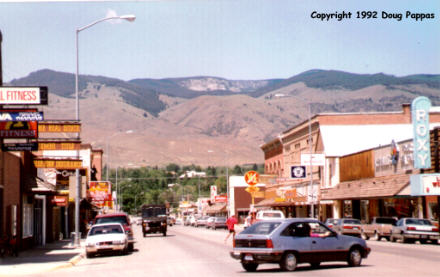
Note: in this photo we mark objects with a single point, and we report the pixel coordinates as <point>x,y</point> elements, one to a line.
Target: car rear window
<point>384,220</point>
<point>274,215</point>
<point>118,219</point>
<point>109,229</point>
<point>352,221</point>
<point>417,221</point>
<point>261,228</point>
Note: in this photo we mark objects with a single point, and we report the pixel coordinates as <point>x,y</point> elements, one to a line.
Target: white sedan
<point>106,237</point>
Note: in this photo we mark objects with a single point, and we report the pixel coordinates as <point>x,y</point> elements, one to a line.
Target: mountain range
<point>209,120</point>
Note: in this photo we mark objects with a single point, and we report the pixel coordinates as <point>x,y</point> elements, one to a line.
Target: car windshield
<point>118,219</point>
<point>417,221</point>
<point>154,211</point>
<point>261,228</point>
<point>220,219</point>
<point>107,229</point>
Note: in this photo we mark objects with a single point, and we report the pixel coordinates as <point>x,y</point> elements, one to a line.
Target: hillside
<point>144,123</point>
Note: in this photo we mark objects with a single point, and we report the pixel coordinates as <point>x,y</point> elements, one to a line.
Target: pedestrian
<point>230,223</point>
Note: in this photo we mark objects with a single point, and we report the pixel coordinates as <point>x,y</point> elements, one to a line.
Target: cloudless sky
<point>234,39</point>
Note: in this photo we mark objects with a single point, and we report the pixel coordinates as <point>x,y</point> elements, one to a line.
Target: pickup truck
<point>378,228</point>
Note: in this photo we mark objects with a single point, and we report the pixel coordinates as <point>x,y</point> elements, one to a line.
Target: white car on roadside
<point>269,215</point>
<point>105,238</point>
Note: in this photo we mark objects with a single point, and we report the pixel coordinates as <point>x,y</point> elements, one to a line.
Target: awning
<point>216,208</point>
<point>43,186</point>
<point>295,201</point>
<point>377,187</point>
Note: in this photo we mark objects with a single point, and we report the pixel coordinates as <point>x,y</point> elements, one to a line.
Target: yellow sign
<point>59,127</point>
<point>252,189</point>
<point>59,145</point>
<point>58,164</point>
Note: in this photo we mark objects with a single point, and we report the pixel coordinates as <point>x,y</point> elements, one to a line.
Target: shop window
<point>28,220</point>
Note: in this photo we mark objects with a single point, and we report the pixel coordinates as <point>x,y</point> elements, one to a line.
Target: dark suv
<point>122,218</point>
<point>154,219</point>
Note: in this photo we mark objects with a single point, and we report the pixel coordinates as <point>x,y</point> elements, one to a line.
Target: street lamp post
<point>130,18</point>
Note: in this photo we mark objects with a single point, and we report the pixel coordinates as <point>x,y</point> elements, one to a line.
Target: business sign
<point>425,184</point>
<point>58,163</point>
<point>52,127</point>
<point>29,146</point>
<point>17,115</point>
<point>59,200</point>
<point>100,193</point>
<point>18,129</point>
<point>316,159</point>
<point>420,119</point>
<point>252,178</point>
<point>23,96</point>
<point>298,171</point>
<point>59,145</point>
<point>222,198</point>
<point>213,193</point>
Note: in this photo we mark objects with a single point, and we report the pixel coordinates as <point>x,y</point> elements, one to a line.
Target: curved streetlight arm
<point>130,18</point>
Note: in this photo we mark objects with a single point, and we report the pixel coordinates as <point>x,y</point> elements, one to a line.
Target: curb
<point>72,262</point>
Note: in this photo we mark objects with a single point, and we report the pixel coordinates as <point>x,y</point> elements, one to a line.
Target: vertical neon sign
<point>420,119</point>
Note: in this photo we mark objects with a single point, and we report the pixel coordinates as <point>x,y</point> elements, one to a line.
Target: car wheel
<point>144,235</point>
<point>315,264</point>
<point>289,262</point>
<point>423,241</point>
<point>354,257</point>
<point>392,239</point>
<point>130,247</point>
<point>89,255</point>
<point>164,234</point>
<point>250,267</point>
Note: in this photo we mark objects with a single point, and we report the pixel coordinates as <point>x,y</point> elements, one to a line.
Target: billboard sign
<point>18,129</point>
<point>59,145</point>
<point>213,193</point>
<point>100,193</point>
<point>420,119</point>
<point>23,96</point>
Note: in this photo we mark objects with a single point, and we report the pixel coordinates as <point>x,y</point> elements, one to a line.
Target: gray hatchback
<point>293,241</point>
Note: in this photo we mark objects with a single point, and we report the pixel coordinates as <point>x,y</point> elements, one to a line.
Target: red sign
<point>60,201</point>
<point>252,178</point>
<point>221,198</point>
<point>100,193</point>
<point>19,129</point>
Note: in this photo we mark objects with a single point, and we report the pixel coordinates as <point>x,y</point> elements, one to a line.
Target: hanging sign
<point>58,163</point>
<point>420,119</point>
<point>18,129</point>
<point>20,115</point>
<point>51,127</point>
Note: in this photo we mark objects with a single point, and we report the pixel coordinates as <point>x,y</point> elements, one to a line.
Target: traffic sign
<point>252,189</point>
<point>251,178</point>
<point>297,172</point>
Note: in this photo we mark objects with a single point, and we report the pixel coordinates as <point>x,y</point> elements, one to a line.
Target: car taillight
<point>233,243</point>
<point>330,225</point>
<point>348,227</point>
<point>434,229</point>
<point>269,243</point>
<point>411,228</point>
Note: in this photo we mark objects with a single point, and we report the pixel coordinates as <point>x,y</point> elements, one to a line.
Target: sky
<point>233,39</point>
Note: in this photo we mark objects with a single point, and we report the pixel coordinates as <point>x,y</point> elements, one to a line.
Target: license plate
<point>355,228</point>
<point>423,237</point>
<point>248,257</point>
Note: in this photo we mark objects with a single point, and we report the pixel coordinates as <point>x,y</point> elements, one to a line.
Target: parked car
<point>217,222</point>
<point>292,241</point>
<point>330,222</point>
<point>269,215</point>
<point>348,226</point>
<point>209,221</point>
<point>107,237</point>
<point>378,228</point>
<point>179,221</point>
<point>122,218</point>
<point>201,221</point>
<point>411,229</point>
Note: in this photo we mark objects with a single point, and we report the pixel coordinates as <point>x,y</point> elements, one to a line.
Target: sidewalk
<point>41,259</point>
